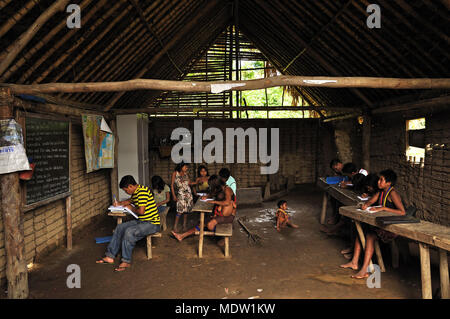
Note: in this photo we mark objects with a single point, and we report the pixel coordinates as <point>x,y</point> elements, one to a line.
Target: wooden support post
<point>366,143</point>
<point>114,171</point>
<point>16,268</point>
<point>227,247</point>
<point>202,231</point>
<point>69,222</point>
<point>425,271</point>
<point>443,266</point>
<point>149,247</point>
<point>323,214</point>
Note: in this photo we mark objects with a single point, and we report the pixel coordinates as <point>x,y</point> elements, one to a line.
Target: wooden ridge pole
<point>14,49</point>
<point>221,86</point>
<point>16,268</point>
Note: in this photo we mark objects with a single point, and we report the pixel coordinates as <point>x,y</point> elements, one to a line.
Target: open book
<point>368,209</point>
<point>122,209</point>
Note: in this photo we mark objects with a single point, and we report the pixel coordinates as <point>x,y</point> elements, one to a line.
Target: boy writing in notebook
<point>127,234</point>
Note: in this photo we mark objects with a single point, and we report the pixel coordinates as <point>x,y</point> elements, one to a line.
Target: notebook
<point>122,209</point>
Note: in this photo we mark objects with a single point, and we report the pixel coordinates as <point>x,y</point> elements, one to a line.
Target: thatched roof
<point>126,39</point>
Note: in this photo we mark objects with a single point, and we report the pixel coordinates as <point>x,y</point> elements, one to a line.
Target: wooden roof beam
<point>10,53</point>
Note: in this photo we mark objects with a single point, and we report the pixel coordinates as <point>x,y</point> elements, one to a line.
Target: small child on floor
<point>283,218</point>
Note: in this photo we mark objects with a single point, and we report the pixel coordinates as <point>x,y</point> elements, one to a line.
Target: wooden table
<point>119,216</point>
<point>202,207</point>
<point>343,195</point>
<point>425,233</point>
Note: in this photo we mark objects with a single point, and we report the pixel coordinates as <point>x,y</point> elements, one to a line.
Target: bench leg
<point>425,271</point>
<point>323,214</point>
<point>149,247</point>
<point>379,256</point>
<point>227,247</point>
<point>443,266</point>
<point>163,222</point>
<point>395,254</point>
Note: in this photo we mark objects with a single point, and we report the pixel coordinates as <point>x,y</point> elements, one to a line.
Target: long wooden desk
<point>425,233</point>
<point>345,196</point>
<point>202,207</point>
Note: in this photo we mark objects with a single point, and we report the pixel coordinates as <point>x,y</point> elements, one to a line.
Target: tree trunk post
<point>16,268</point>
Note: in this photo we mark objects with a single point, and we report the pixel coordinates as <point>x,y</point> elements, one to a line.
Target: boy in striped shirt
<point>127,234</point>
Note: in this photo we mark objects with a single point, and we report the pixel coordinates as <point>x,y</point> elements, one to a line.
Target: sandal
<point>122,268</point>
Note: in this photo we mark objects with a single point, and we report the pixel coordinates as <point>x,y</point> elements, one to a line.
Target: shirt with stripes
<point>143,197</point>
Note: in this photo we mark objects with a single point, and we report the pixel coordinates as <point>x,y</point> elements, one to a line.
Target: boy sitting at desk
<point>224,207</point>
<point>388,200</point>
<point>127,234</point>
<point>350,171</point>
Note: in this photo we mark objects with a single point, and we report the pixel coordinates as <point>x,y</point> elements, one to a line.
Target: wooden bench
<point>163,217</point>
<point>224,230</point>
<point>426,234</point>
<point>149,243</point>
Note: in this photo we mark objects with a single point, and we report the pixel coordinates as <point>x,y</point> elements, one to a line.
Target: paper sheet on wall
<point>13,157</point>
<point>98,143</point>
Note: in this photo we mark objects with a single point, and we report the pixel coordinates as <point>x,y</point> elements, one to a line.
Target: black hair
<point>349,168</point>
<point>334,162</point>
<point>216,185</point>
<point>372,180</point>
<point>158,183</point>
<point>220,196</point>
<point>200,168</point>
<point>281,202</point>
<point>224,173</point>
<point>389,176</point>
<point>127,180</point>
<point>180,166</point>
<point>359,182</point>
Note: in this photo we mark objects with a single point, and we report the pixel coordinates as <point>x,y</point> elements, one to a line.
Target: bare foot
<point>294,226</point>
<point>123,266</point>
<point>350,265</point>
<point>177,236</point>
<point>361,275</point>
<point>105,260</point>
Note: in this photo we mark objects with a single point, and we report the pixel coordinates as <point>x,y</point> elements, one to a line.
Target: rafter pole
<point>186,30</point>
<point>8,56</point>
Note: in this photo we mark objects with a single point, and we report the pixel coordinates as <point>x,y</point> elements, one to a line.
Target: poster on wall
<point>13,157</point>
<point>98,143</point>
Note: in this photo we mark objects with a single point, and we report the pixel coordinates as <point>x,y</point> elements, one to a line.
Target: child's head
<point>387,179</point>
<point>336,165</point>
<point>359,182</point>
<point>202,171</point>
<point>349,169</point>
<point>371,183</point>
<point>282,204</point>
<point>220,196</point>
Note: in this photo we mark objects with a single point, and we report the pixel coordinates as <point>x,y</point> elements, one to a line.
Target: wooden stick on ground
<point>255,237</point>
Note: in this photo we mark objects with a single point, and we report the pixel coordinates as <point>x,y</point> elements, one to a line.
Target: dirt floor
<point>296,263</point>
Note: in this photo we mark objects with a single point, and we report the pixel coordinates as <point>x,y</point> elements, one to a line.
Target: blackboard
<point>47,143</point>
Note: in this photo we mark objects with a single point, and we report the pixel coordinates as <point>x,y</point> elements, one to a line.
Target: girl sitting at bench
<point>388,200</point>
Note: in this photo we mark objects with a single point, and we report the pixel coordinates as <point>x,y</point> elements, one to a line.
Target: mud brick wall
<point>427,187</point>
<point>45,227</point>
<point>298,150</point>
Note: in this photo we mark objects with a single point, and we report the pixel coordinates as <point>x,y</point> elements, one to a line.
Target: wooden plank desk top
<point>203,207</point>
<point>117,214</point>
<point>343,195</point>
<point>425,232</point>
